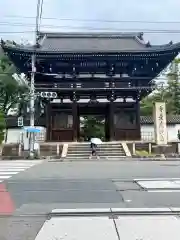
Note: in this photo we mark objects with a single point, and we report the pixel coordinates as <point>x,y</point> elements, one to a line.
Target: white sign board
<point>20,122</point>
<point>160,123</point>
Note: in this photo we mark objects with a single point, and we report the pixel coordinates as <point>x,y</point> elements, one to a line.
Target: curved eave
<point>149,50</point>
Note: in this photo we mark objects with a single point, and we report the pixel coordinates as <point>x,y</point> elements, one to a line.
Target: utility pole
<point>32,101</point>
<point>32,88</point>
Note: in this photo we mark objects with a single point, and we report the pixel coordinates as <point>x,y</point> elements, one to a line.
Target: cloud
<point>114,10</point>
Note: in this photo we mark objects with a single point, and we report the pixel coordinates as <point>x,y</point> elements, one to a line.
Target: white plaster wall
<point>147,132</point>
<point>14,135</point>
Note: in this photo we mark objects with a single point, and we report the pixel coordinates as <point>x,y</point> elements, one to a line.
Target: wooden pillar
<point>75,120</point>
<point>138,123</point>
<point>111,121</point>
<point>48,121</point>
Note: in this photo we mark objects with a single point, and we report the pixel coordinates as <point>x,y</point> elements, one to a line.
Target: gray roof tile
<point>91,42</point>
<point>171,119</point>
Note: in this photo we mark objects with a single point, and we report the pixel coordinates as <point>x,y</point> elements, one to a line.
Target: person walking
<point>94,148</point>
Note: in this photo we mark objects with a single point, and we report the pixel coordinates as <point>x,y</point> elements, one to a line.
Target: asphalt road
<point>44,187</point>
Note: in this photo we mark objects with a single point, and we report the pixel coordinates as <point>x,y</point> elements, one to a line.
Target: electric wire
<point>94,20</point>
<point>93,30</point>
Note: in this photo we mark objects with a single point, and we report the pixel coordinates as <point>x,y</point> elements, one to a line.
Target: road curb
<point>113,211</point>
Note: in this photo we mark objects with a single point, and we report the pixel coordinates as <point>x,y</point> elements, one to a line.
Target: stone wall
<point>171,148</point>
<point>46,150</point>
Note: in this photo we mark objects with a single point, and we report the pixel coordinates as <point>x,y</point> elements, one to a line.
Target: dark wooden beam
<point>111,121</point>
<point>75,120</point>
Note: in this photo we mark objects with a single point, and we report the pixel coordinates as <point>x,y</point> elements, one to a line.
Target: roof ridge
<point>92,34</point>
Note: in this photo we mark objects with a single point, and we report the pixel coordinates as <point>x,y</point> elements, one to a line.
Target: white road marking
<point>13,170</point>
<point>5,177</point>
<point>158,184</point>
<point>137,210</point>
<point>17,165</point>
<point>164,191</point>
<point>156,179</point>
<point>154,185</point>
<point>6,173</point>
<point>10,168</point>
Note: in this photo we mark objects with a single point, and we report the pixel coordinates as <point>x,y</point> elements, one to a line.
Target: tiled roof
<point>94,42</point>
<point>171,119</point>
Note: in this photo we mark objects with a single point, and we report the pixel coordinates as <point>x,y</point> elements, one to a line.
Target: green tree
<point>92,126</point>
<point>2,127</point>
<point>11,91</point>
<point>170,94</point>
<point>173,90</point>
<point>147,104</point>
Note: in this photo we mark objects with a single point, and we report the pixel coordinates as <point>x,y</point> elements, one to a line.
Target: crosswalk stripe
<point>25,161</point>
<point>4,177</point>
<point>6,173</point>
<point>164,191</point>
<point>17,164</point>
<point>11,168</point>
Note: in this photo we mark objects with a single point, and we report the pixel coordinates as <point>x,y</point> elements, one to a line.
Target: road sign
<point>20,122</point>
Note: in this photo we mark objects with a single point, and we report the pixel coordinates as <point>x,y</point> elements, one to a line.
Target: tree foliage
<point>2,127</point>
<point>169,94</point>
<point>11,91</point>
<point>92,126</point>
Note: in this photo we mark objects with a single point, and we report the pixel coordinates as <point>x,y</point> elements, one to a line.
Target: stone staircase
<point>82,151</point>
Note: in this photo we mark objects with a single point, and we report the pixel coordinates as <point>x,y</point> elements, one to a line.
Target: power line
<point>110,30</point>
<point>30,25</point>
<point>94,20</point>
<point>19,24</point>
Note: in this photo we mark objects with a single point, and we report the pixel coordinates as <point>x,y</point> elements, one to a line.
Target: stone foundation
<point>16,151</point>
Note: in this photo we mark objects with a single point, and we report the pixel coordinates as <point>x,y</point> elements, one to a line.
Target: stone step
<point>98,151</point>
<point>86,144</point>
<point>99,148</point>
<point>83,151</point>
<point>100,145</point>
<point>81,158</point>
<point>99,154</point>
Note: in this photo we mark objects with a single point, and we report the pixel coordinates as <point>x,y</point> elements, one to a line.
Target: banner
<point>160,123</point>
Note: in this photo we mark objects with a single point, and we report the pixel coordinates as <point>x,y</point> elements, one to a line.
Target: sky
<point>75,15</point>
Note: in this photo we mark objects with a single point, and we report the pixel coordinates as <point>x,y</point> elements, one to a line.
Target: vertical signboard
<point>20,122</point>
<point>160,123</point>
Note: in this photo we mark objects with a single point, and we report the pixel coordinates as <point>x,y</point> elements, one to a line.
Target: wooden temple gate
<point>93,66</point>
<point>121,120</point>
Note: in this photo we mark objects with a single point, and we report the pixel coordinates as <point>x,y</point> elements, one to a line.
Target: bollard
<point>134,148</point>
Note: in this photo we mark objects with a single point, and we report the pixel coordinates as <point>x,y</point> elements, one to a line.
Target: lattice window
<point>62,121</point>
<point>125,120</point>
